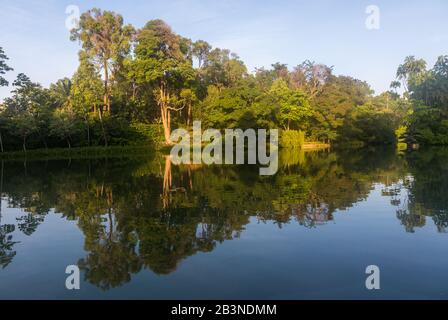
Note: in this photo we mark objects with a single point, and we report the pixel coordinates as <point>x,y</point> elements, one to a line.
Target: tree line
<point>133,86</point>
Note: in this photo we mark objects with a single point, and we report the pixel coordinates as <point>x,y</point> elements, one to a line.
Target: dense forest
<point>133,86</point>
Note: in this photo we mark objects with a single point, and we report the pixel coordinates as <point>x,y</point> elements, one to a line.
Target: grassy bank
<point>315,146</point>
<point>112,151</point>
<point>84,152</point>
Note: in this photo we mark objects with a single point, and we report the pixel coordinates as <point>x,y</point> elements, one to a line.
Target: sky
<point>34,35</point>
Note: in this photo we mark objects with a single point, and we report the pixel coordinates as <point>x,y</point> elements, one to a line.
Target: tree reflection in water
<point>142,213</point>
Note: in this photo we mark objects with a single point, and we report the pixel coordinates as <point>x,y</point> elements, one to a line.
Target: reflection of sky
<point>38,268</point>
<point>264,262</point>
<point>34,35</point>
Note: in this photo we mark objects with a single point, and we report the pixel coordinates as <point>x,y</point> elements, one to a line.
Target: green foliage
<point>365,126</point>
<point>231,107</point>
<point>292,139</point>
<point>148,133</point>
<point>106,41</point>
<point>3,68</point>
<point>128,83</point>
<point>293,107</point>
<point>64,124</point>
<point>428,93</point>
<point>86,88</point>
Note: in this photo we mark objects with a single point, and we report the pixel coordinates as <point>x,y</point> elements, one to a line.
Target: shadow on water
<point>142,213</point>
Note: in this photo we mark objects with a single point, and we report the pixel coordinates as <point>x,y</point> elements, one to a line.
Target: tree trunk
<point>44,142</point>
<point>168,125</point>
<point>167,182</point>
<point>1,142</point>
<point>68,143</point>
<point>189,114</point>
<point>166,119</point>
<point>106,87</point>
<point>1,192</point>
<point>190,179</point>
<point>165,113</point>
<point>102,128</point>
<point>88,133</point>
<point>24,144</point>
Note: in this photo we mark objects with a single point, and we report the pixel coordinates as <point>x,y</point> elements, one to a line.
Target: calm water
<point>142,228</point>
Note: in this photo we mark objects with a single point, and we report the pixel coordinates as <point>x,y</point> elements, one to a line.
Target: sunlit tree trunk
<point>190,179</point>
<point>88,131</point>
<point>106,87</point>
<point>102,128</point>
<point>167,182</point>
<point>165,112</point>
<point>189,115</point>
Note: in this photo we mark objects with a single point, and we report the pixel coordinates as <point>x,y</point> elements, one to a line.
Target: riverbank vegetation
<point>133,86</point>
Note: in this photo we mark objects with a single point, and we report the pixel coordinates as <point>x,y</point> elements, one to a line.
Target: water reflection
<point>144,213</point>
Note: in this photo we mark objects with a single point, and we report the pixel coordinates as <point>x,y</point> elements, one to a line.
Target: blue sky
<point>262,32</point>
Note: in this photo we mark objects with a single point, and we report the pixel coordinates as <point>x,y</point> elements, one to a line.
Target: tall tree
<point>64,124</point>
<point>3,68</point>
<point>85,94</point>
<point>223,68</point>
<point>294,108</point>
<point>410,70</point>
<point>161,64</point>
<point>106,41</point>
<point>30,109</point>
<point>60,92</point>
<point>311,77</point>
<point>201,50</point>
<point>3,82</point>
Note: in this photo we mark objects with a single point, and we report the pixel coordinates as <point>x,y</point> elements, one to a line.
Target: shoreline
<point>111,151</point>
<point>315,146</point>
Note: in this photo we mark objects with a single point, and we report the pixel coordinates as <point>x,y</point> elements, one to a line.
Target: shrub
<point>292,139</point>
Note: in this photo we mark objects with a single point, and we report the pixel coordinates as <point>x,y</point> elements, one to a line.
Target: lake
<point>144,228</point>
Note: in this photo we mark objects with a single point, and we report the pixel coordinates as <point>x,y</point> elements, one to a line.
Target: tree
<point>395,85</point>
<point>294,108</point>
<point>201,50</point>
<point>85,94</point>
<point>160,64</point>
<point>186,101</point>
<point>3,82</point>
<point>410,71</point>
<point>30,109</point>
<point>369,126</point>
<point>223,68</point>
<point>64,124</point>
<point>236,107</point>
<point>3,68</point>
<point>427,93</point>
<point>106,42</point>
<point>339,95</point>
<point>60,93</point>
<point>24,125</point>
<point>310,77</point>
